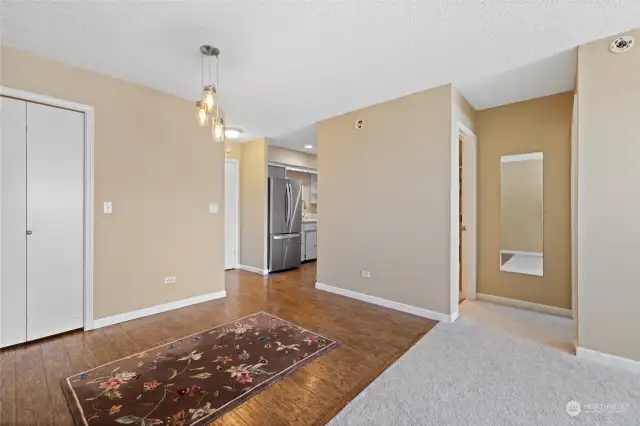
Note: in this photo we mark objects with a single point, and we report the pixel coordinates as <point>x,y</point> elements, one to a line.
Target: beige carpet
<point>472,373</point>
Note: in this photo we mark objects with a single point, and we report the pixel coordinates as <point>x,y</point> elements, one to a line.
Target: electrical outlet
<point>107,207</point>
<point>365,274</point>
<point>170,280</point>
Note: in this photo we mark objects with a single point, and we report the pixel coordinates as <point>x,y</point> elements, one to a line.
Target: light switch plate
<point>365,274</point>
<point>170,280</point>
<point>213,207</point>
<point>108,207</point>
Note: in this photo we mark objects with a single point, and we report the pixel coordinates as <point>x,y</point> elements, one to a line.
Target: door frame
<point>470,195</point>
<point>237,189</point>
<point>88,254</point>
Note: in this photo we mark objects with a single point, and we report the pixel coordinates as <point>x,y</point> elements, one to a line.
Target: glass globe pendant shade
<point>217,127</point>
<point>209,98</point>
<point>201,111</point>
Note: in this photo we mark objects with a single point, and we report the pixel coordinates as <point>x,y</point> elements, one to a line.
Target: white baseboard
<point>545,309</point>
<point>389,303</point>
<point>608,359</point>
<point>115,319</point>
<point>254,270</point>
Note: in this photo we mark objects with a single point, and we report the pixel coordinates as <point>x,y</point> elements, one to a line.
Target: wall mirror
<point>521,213</point>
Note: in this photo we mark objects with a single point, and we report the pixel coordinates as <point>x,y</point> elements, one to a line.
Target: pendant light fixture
<point>208,108</point>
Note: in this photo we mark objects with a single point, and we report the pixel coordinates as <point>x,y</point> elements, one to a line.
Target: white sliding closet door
<point>55,220</point>
<point>13,249</point>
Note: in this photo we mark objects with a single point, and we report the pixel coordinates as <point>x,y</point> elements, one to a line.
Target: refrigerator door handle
<point>286,206</point>
<point>286,236</point>
<point>289,206</point>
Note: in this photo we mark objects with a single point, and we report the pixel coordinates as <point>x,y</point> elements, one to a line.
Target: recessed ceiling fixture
<point>621,44</point>
<point>308,146</point>
<point>208,107</point>
<point>233,132</point>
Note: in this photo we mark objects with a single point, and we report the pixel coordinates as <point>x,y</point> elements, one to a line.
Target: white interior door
<point>13,214</point>
<point>468,253</point>
<point>231,214</point>
<point>55,220</point>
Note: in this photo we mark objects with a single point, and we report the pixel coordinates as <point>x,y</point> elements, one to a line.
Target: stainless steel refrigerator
<point>285,223</point>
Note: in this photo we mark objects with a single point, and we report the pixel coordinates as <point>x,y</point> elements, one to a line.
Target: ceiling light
<point>233,132</point>
<point>217,128</point>
<point>202,113</point>
<point>309,146</point>
<point>208,107</point>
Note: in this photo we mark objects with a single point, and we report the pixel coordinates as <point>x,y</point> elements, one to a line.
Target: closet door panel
<point>55,217</point>
<point>13,248</point>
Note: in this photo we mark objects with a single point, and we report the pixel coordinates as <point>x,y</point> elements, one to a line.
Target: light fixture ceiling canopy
<point>209,50</point>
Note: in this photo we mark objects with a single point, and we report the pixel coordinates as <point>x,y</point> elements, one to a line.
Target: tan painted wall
<point>291,157</point>
<point>463,109</point>
<point>233,150</point>
<point>609,198</point>
<point>385,203</point>
<point>539,125</point>
<point>253,203</point>
<point>159,169</point>
<point>521,206</point>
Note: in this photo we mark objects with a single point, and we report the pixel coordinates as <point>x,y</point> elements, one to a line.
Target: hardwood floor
<point>371,338</point>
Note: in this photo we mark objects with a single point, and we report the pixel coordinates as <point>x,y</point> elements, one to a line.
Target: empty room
<point>318,212</point>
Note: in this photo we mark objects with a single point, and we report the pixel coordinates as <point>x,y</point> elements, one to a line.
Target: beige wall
<point>291,157</point>
<point>306,189</point>
<point>159,169</point>
<point>609,199</point>
<point>233,150</point>
<point>386,200</point>
<point>463,110</point>
<point>539,125</point>
<point>253,204</point>
<point>521,206</point>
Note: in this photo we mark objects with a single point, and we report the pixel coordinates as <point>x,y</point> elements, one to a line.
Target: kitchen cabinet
<point>309,241</point>
<point>313,193</point>
<point>311,244</point>
<point>277,172</point>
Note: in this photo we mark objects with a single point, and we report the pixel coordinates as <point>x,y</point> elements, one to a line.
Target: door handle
<point>29,232</point>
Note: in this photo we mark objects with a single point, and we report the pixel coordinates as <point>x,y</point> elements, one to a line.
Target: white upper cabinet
<point>314,189</point>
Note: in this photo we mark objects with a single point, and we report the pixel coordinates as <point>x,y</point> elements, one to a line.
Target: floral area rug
<point>196,379</point>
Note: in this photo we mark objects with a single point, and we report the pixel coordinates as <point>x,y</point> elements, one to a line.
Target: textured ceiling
<point>548,76</point>
<point>287,64</point>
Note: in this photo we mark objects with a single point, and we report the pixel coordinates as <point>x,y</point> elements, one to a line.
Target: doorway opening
<point>463,216</point>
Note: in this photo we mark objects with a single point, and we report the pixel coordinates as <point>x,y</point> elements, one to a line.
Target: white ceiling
<point>298,139</point>
<point>548,76</point>
<point>287,64</point>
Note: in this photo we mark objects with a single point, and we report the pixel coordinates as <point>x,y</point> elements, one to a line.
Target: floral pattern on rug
<point>196,379</point>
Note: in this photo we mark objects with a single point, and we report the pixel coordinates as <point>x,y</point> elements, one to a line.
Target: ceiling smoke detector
<point>621,44</point>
